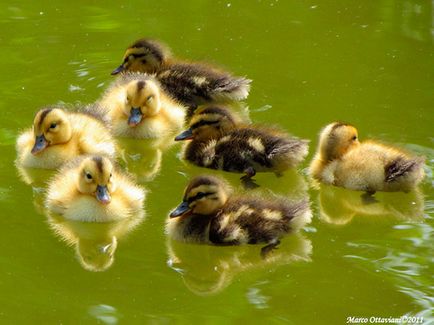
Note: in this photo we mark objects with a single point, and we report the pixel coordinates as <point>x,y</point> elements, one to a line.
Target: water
<point>366,62</point>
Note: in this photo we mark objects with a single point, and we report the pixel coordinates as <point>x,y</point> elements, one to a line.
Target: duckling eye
<point>149,98</point>
<point>53,125</point>
<point>354,138</point>
<point>200,195</point>
<point>88,176</point>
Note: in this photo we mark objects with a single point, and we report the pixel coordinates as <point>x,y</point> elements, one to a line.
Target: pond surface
<point>366,62</point>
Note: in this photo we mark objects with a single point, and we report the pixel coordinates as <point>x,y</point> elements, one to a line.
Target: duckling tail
<point>401,166</point>
<point>230,88</point>
<point>291,152</point>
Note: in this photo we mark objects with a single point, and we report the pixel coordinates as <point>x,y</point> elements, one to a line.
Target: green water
<point>366,62</point>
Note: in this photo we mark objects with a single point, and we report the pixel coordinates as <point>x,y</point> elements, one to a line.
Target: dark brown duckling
<point>220,142</point>
<point>192,84</point>
<point>210,214</point>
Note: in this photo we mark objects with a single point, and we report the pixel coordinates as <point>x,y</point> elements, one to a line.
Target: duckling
<point>59,135</point>
<point>190,83</point>
<point>139,108</point>
<point>91,188</point>
<point>369,166</point>
<point>220,142</point>
<point>210,214</point>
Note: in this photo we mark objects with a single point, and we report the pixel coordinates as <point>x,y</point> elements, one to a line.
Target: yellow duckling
<point>59,135</point>
<point>343,161</point>
<point>219,142</point>
<point>190,83</point>
<point>139,108</point>
<point>210,214</point>
<point>90,188</point>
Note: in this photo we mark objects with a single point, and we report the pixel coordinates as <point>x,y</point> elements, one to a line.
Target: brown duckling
<point>210,214</point>
<point>369,166</point>
<point>219,142</point>
<point>59,135</point>
<point>92,188</point>
<point>190,83</point>
<point>139,108</point>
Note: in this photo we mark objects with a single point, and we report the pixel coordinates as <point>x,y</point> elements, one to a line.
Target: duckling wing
<point>195,84</point>
<point>400,167</point>
<point>253,220</point>
<point>259,149</point>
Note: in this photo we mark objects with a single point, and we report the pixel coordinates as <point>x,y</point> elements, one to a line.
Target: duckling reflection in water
<point>95,243</point>
<point>192,84</point>
<point>208,270</point>
<point>139,108</point>
<point>92,188</point>
<point>59,136</point>
<point>143,158</point>
<point>341,160</point>
<point>210,214</point>
<point>339,206</point>
<point>219,142</point>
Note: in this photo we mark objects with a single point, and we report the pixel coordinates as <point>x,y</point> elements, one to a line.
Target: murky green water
<point>366,62</point>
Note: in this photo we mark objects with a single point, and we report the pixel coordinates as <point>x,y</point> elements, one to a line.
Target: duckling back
<point>196,84</point>
<point>377,167</point>
<point>251,220</point>
<point>259,148</point>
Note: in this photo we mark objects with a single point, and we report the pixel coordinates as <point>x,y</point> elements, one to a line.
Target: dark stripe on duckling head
<point>199,196</point>
<point>199,181</point>
<point>202,123</point>
<point>140,85</point>
<point>44,115</point>
<point>151,46</point>
<point>98,162</point>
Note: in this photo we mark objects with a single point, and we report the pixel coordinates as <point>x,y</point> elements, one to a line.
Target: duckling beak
<point>186,135</point>
<point>40,144</point>
<point>180,210</point>
<point>135,116</point>
<point>118,69</point>
<point>102,194</point>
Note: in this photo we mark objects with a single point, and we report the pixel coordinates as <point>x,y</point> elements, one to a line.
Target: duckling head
<point>336,139</point>
<point>205,195</point>
<point>209,123</point>
<point>50,126</point>
<point>144,55</point>
<point>142,100</point>
<point>95,177</point>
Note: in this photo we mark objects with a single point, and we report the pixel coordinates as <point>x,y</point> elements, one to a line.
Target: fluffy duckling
<point>59,135</point>
<point>209,214</point>
<point>91,188</point>
<point>139,108</point>
<point>219,142</point>
<point>190,83</point>
<point>342,160</point>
